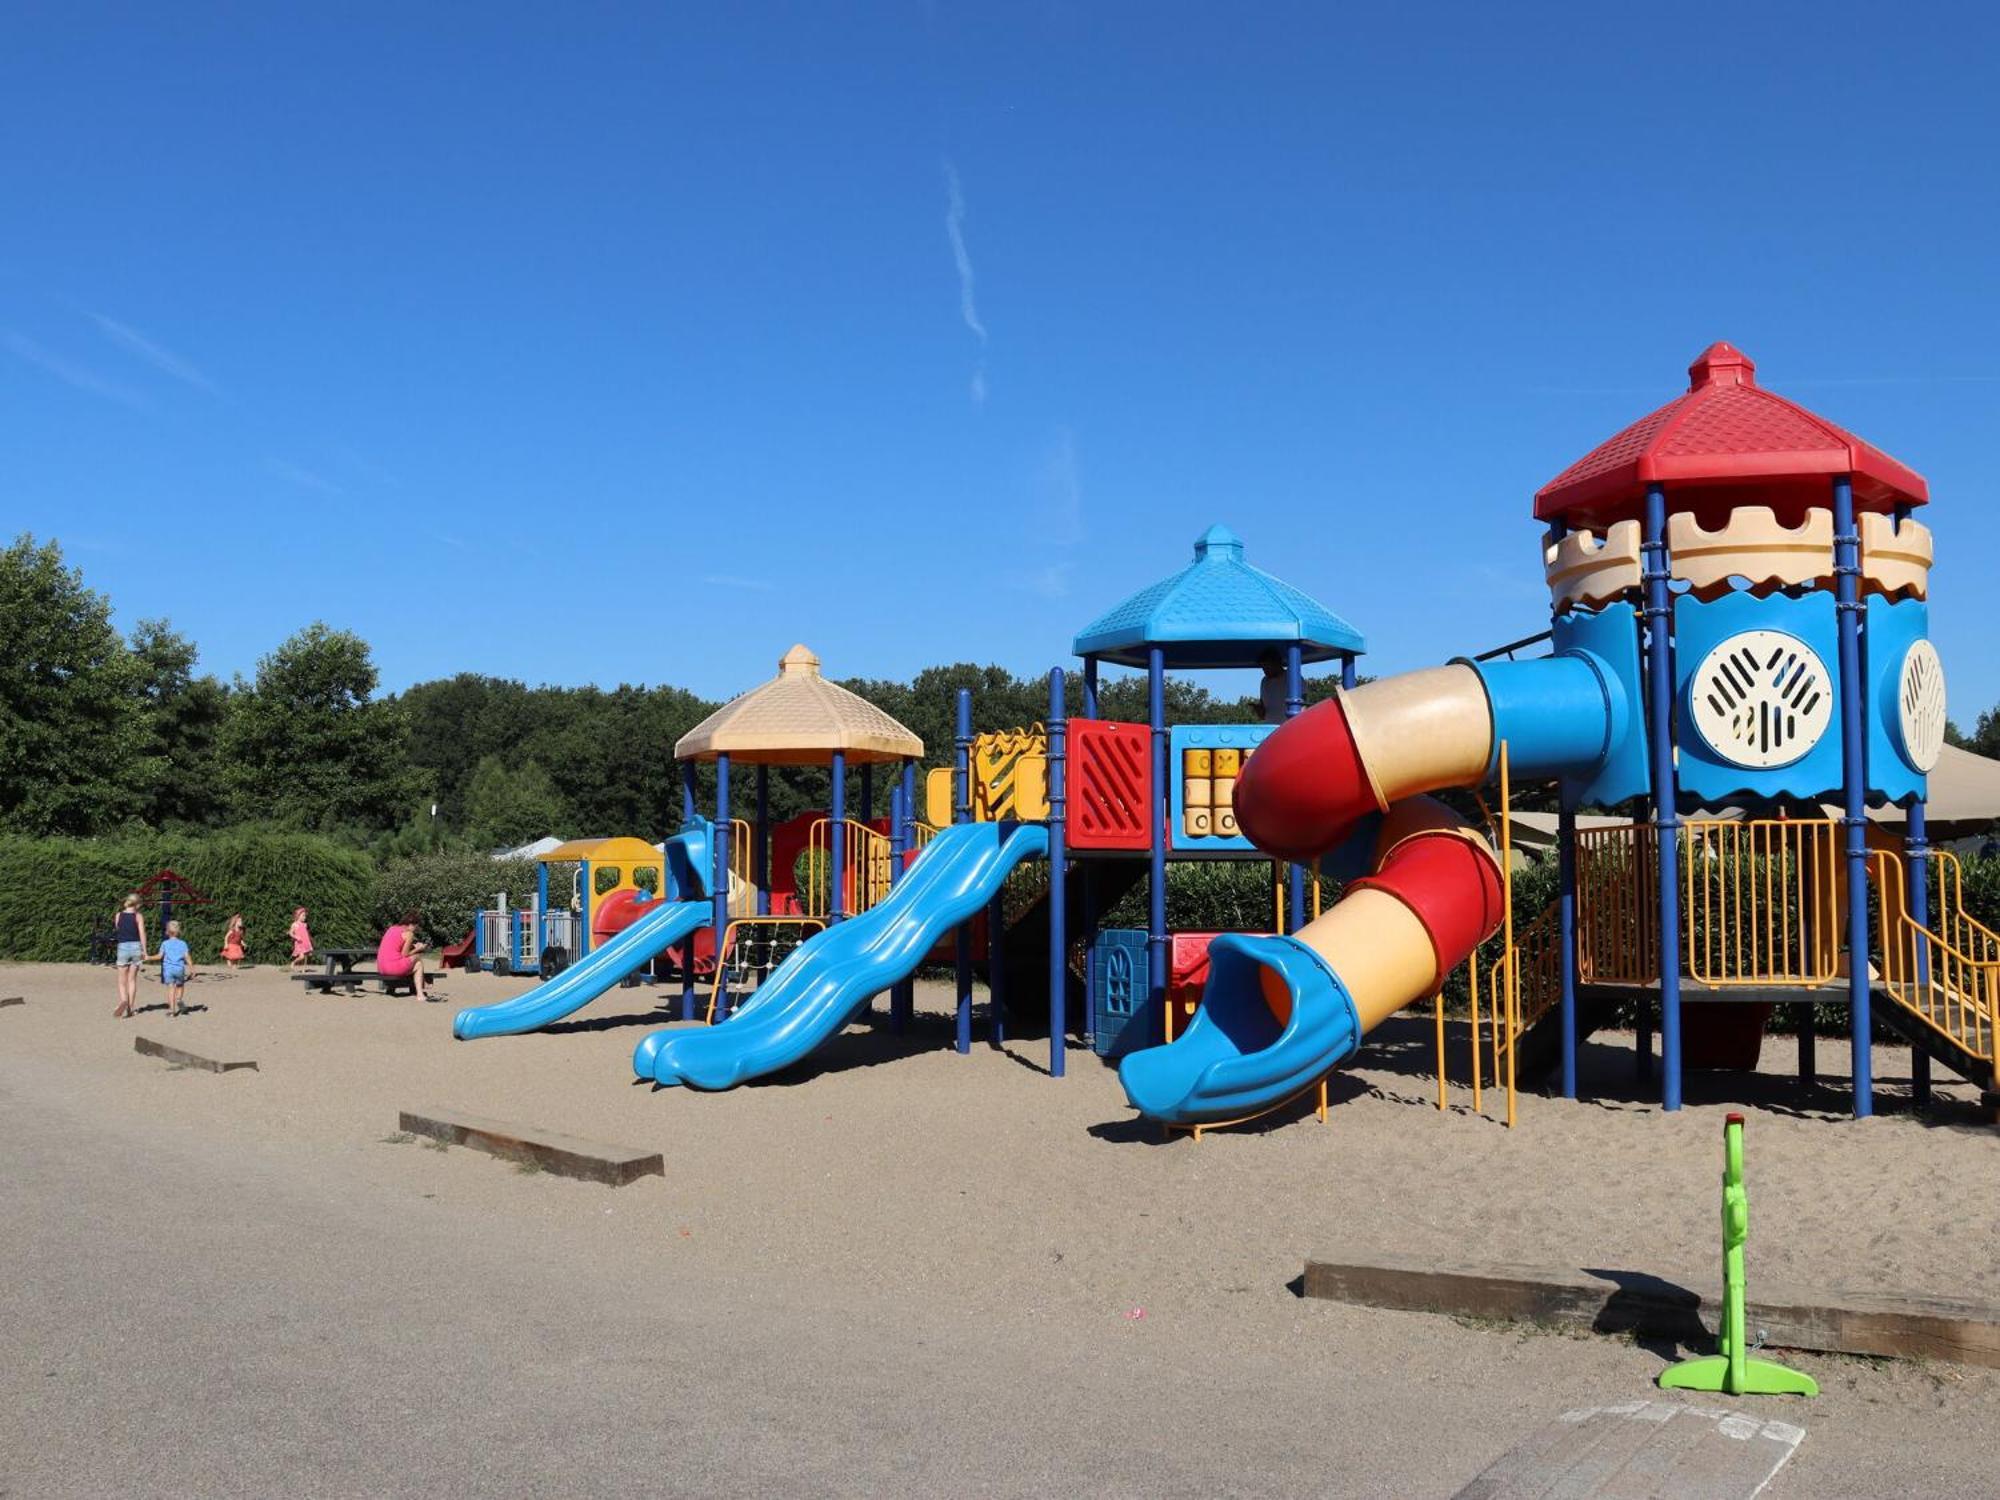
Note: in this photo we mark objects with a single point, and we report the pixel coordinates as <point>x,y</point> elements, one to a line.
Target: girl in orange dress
<point>232,941</point>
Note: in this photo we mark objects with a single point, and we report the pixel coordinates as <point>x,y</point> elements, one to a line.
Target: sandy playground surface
<point>1132,1296</point>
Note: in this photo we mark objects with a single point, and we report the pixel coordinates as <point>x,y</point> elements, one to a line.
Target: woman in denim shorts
<point>130,931</point>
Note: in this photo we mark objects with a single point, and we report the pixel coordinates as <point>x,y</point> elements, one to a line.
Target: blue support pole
<point>1918,847</point>
<point>961,812</point>
<point>837,843</point>
<point>687,947</point>
<point>720,890</point>
<point>1058,731</point>
<point>1854,785</point>
<point>1566,908</point>
<point>1666,813</point>
<point>903,998</point>
<point>1090,687</point>
<point>760,852</point>
<point>585,900</point>
<point>1566,934</point>
<point>1347,671</point>
<point>1295,702</point>
<point>1156,817</point>
<point>541,908</point>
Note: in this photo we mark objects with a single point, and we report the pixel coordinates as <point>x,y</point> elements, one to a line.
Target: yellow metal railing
<point>1495,987</point>
<point>1617,904</point>
<point>921,833</point>
<point>1763,900</point>
<point>1954,923</point>
<point>1955,993</point>
<point>1010,775</point>
<point>864,873</point>
<point>729,936</point>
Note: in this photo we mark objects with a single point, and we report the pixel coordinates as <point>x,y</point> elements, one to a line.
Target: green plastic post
<point>1732,1370</point>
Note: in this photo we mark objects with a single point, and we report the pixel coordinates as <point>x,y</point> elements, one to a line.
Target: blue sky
<point>601,344</point>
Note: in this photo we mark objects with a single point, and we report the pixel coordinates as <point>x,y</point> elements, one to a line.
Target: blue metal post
<point>760,852</point>
<point>1666,813</point>
<point>1156,816</point>
<point>1566,934</point>
<point>1295,702</point>
<point>541,907</point>
<point>837,842</point>
<point>1090,687</point>
<point>586,898</point>
<point>1854,784</point>
<point>1058,730</point>
<point>903,998</point>
<point>961,812</point>
<point>687,947</point>
<point>897,834</point>
<point>1917,846</point>
<point>1347,670</point>
<point>720,890</point>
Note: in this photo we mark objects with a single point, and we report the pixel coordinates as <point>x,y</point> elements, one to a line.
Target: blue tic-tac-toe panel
<point>1707,776</point>
<point>1892,629</point>
<point>1240,738</point>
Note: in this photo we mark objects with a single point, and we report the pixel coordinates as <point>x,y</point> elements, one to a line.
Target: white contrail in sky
<point>954,226</point>
<point>132,341</point>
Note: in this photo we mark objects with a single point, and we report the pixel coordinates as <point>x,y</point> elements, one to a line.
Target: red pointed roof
<point>1727,433</point>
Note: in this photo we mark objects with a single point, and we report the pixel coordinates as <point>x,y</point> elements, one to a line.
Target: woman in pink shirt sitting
<point>400,954</point>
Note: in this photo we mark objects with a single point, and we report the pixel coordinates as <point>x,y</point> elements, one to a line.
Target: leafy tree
<point>67,720</point>
<point>1985,736</point>
<point>306,745</point>
<point>504,807</point>
<point>180,715</point>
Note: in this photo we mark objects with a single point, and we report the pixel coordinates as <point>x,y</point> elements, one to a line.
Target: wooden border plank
<point>147,1047</point>
<point>7,1000</point>
<point>1925,1328</point>
<point>565,1155</point>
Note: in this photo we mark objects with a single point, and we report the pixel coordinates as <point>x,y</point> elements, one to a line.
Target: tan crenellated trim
<point>1582,570</point>
<point>1895,560</point>
<point>1752,544</point>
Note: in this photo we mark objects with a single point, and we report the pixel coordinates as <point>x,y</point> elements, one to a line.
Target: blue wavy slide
<point>816,992</point>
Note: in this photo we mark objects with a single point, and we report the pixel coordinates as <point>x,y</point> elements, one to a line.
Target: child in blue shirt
<point>176,965</point>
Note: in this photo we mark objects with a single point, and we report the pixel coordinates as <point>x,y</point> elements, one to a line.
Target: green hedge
<point>444,890</point>
<point>53,889</point>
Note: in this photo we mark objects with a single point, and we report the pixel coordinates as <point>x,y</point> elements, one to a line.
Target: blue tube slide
<point>685,908</point>
<point>1235,1058</point>
<point>816,992</point>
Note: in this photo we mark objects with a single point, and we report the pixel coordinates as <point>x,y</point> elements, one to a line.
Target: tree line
<point>102,733</point>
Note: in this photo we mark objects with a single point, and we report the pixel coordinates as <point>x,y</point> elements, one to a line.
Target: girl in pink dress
<point>302,938</point>
<point>232,941</point>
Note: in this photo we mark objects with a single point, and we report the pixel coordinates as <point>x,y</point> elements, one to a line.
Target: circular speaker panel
<point>1920,706</point>
<point>1761,699</point>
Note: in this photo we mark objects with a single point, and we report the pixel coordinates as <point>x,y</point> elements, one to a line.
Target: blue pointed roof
<point>1218,611</point>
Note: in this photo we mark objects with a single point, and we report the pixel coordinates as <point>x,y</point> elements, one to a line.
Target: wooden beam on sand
<point>565,1155</point>
<point>1604,1301</point>
<point>7,1000</point>
<point>147,1047</point>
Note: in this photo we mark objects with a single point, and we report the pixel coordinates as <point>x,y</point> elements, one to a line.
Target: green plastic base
<point>1760,1378</point>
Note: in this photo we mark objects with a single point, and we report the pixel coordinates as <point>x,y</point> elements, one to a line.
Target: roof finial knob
<point>798,662</point>
<point>1218,544</point>
<point>1722,364</point>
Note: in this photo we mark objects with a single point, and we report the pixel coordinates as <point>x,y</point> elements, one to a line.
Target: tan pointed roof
<point>798,718</point>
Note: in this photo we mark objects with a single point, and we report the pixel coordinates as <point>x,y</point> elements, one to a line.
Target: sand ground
<point>899,1270</point>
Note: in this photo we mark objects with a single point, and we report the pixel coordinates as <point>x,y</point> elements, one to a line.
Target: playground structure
<point>1738,631</point>
<point>1764,567</point>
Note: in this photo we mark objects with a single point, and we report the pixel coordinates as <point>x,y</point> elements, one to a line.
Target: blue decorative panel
<point>1205,760</point>
<point>1609,640</point>
<point>1757,706</point>
<point>1901,737</point>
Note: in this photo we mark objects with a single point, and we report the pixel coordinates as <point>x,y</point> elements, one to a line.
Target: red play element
<point>1450,884</point>
<point>1110,785</point>
<point>1187,974</point>
<point>171,888</point>
<point>1735,442</point>
<point>455,955</point>
<point>1305,788</point>
<point>616,912</point>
